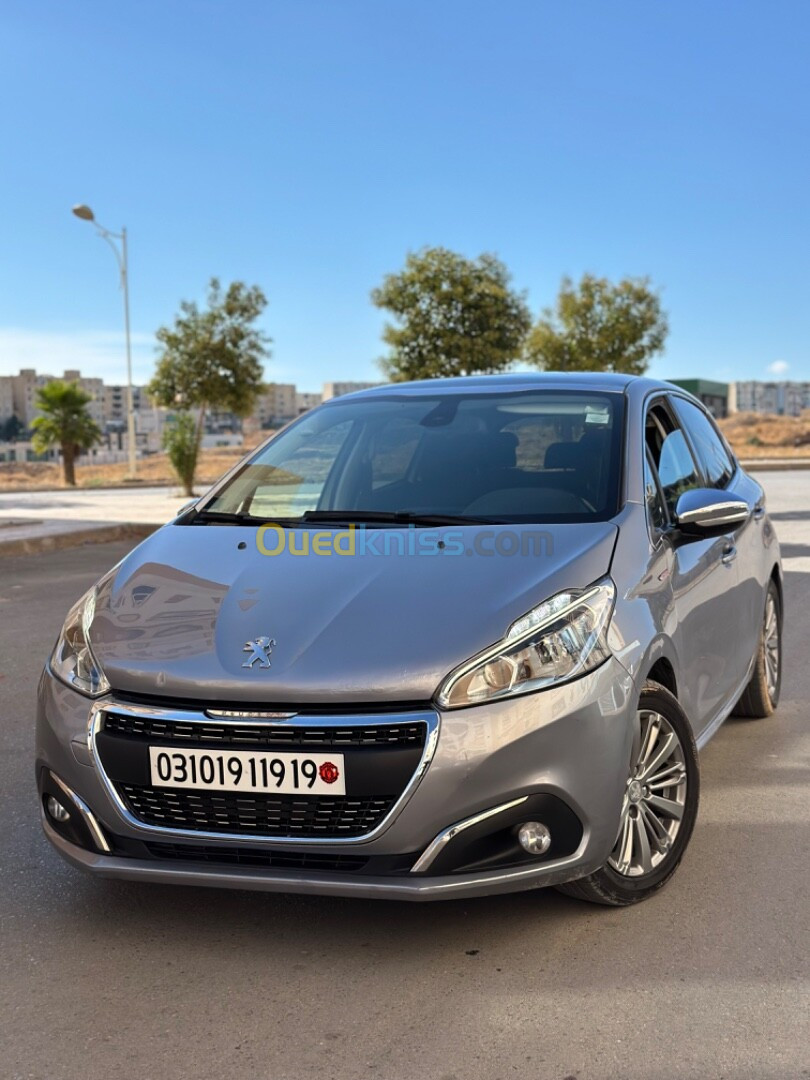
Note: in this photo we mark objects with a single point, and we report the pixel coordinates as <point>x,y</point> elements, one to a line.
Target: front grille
<point>260,815</point>
<point>152,727</point>
<point>247,856</point>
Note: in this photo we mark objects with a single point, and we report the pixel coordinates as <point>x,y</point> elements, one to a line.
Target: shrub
<point>181,443</point>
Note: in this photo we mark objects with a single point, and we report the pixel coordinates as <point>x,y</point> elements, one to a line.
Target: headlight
<point>73,661</point>
<point>554,642</point>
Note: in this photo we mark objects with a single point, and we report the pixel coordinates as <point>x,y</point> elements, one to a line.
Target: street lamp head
<point>83,212</point>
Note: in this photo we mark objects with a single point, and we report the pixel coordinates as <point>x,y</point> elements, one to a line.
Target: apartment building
<point>6,398</point>
<point>338,389</point>
<point>18,394</point>
<point>94,388</point>
<point>778,398</point>
<point>24,391</point>
<point>114,403</point>
<point>276,405</point>
<point>305,401</point>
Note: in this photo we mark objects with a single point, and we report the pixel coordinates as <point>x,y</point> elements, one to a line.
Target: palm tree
<point>65,422</point>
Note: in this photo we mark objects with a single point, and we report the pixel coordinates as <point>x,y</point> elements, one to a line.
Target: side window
<point>656,511</point>
<point>310,462</point>
<point>671,456</point>
<point>712,455</point>
<point>298,478</point>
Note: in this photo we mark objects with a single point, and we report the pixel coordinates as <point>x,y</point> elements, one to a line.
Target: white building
<point>150,422</point>
<point>276,404</point>
<point>305,401</point>
<point>23,393</point>
<point>777,398</point>
<point>338,389</point>
<point>6,398</point>
<point>114,407</point>
<point>93,387</point>
<point>24,389</point>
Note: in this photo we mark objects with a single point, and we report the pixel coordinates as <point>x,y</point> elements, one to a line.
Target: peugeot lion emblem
<point>259,649</point>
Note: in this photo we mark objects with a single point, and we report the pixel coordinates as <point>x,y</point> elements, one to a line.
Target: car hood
<point>174,617</point>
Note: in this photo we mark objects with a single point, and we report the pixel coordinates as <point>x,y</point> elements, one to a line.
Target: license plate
<point>247,770</point>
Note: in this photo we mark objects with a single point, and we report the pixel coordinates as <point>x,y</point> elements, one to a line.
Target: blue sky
<point>307,145</point>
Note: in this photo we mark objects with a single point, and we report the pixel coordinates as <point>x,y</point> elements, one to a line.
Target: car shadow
<point>794,551</point>
<point>790,515</point>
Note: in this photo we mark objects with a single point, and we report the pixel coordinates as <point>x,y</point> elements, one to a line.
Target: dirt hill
<point>753,435</point>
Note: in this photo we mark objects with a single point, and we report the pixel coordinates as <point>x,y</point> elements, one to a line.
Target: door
<point>704,580</point>
<point>720,471</point>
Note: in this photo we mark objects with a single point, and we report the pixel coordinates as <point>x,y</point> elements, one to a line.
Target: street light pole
<point>86,214</point>
<point>130,394</point>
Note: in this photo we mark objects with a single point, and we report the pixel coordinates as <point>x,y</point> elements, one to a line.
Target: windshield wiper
<point>221,517</point>
<point>337,517</point>
<point>392,517</point>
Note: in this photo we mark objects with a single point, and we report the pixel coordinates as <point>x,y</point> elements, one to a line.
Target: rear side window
<point>712,455</point>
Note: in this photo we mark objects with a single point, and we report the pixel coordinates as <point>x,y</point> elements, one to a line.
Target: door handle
<point>729,555</point>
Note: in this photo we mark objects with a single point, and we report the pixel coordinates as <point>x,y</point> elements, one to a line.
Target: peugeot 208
<point>432,640</point>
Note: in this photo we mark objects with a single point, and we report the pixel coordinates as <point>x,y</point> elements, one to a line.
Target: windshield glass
<point>529,456</point>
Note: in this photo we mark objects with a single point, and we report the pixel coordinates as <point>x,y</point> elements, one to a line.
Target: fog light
<point>56,810</point>
<point>534,837</point>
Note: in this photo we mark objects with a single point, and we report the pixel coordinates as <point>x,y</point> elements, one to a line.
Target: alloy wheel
<point>771,642</point>
<point>654,798</point>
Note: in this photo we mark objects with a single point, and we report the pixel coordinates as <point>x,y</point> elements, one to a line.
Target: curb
<point>100,534</point>
<point>775,465</point>
<point>90,488</point>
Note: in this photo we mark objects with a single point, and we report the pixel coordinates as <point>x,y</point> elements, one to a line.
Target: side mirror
<point>702,511</point>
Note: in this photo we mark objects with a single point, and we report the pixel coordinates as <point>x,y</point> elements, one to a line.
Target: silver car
<point>432,640</point>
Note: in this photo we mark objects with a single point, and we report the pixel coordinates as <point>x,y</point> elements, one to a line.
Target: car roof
<point>606,382</point>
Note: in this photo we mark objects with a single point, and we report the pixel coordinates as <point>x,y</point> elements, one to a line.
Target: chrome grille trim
<point>250,714</point>
<point>428,717</point>
<point>260,732</point>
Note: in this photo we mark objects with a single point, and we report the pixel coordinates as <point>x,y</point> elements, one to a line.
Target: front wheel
<point>659,807</point>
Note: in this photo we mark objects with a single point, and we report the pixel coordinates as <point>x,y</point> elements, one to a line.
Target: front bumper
<point>568,746</point>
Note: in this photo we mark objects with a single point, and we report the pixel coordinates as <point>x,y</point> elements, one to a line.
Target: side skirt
<point>725,711</point>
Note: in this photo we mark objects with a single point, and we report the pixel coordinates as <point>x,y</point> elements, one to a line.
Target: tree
<point>599,326</point>
<point>66,423</point>
<point>456,316</point>
<point>181,443</point>
<point>213,358</point>
<point>11,429</point>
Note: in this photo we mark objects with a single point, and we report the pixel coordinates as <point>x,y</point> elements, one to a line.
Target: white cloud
<point>778,367</point>
<point>98,353</point>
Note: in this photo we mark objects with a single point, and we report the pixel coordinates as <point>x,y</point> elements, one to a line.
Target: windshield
<point>530,456</point>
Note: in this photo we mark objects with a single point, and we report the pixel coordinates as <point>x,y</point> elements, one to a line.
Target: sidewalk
<point>47,520</point>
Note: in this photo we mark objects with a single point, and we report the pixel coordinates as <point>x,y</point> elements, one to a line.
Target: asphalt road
<point>709,979</point>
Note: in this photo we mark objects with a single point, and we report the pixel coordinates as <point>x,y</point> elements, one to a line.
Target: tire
<point>761,696</point>
<point>636,869</point>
